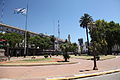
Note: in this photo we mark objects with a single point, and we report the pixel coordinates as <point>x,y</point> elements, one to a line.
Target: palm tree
<point>84,21</point>
<point>65,47</point>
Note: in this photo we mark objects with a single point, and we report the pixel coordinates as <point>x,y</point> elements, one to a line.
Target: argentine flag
<point>22,11</point>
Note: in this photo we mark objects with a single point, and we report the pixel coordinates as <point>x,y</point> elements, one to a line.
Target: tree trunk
<point>109,50</point>
<point>65,59</point>
<point>53,47</point>
<point>87,40</point>
<point>95,65</point>
<point>8,54</point>
<point>65,56</point>
<point>34,52</point>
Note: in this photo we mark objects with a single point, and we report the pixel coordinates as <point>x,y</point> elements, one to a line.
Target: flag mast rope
<point>25,41</point>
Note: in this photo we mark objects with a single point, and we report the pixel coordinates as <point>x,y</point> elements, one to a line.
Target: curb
<point>6,79</point>
<point>84,75</point>
<point>38,64</point>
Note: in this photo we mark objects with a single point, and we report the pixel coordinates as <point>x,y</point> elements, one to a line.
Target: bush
<point>66,56</point>
<point>46,56</point>
<point>33,57</point>
<point>98,57</point>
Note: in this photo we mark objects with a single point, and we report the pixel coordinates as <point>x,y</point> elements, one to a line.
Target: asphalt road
<point>113,76</point>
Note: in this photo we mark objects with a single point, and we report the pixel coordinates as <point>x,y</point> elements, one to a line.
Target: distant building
<point>80,40</point>
<point>85,49</point>
<point>10,29</point>
<point>82,46</point>
<point>69,38</point>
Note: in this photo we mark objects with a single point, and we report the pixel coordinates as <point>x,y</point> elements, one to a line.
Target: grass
<point>102,57</point>
<point>38,64</point>
<point>42,59</point>
<point>32,60</point>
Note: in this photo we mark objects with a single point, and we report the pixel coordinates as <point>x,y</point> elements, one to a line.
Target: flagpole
<point>26,22</point>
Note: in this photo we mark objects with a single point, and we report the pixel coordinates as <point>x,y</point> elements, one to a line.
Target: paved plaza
<point>49,71</point>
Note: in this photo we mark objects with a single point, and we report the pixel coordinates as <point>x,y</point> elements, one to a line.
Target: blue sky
<point>43,15</point>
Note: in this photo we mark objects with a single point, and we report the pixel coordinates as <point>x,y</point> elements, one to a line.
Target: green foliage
<point>66,56</point>
<point>95,48</point>
<point>65,47</point>
<point>13,39</point>
<point>46,56</point>
<point>32,60</point>
<point>36,40</point>
<point>86,57</point>
<point>41,42</point>
<point>68,47</point>
<point>1,35</point>
<point>106,34</point>
<point>52,38</point>
<point>46,42</point>
<point>73,47</point>
<point>85,20</point>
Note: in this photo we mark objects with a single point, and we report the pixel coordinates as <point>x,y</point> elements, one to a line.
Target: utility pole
<point>58,29</point>
<point>69,38</point>
<point>58,35</point>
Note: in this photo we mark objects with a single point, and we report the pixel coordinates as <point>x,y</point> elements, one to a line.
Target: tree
<point>34,41</point>
<point>97,34</point>
<point>94,48</point>
<point>73,48</point>
<point>65,47</point>
<point>84,21</point>
<point>41,42</point>
<point>46,42</point>
<point>107,34</point>
<point>13,39</point>
<point>52,38</point>
<point>112,35</point>
<point>1,35</point>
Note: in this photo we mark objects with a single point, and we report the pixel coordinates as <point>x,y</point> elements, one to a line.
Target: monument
<point>2,55</point>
